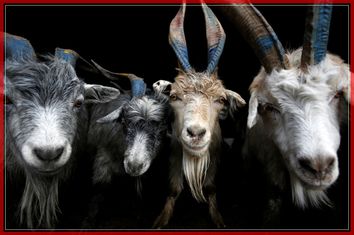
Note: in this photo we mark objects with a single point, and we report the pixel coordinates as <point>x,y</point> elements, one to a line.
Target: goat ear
<point>100,94</point>
<point>162,87</point>
<point>111,116</point>
<point>235,102</point>
<point>252,110</point>
<point>346,75</point>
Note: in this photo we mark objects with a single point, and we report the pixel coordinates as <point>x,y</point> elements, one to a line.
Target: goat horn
<point>68,55</point>
<point>177,38</point>
<point>215,38</point>
<point>317,24</point>
<point>17,48</point>
<point>138,86</point>
<point>259,34</point>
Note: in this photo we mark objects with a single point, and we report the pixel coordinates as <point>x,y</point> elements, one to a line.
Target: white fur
<point>307,125</point>
<point>160,85</point>
<point>195,169</point>
<point>47,134</point>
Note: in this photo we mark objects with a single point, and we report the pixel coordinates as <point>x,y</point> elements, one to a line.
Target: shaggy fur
<point>42,112</point>
<point>295,116</point>
<point>197,100</point>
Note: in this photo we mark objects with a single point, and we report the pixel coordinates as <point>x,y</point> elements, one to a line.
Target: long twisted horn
<point>316,35</point>
<point>259,34</point>
<point>215,37</point>
<point>17,48</point>
<point>177,38</point>
<point>138,86</point>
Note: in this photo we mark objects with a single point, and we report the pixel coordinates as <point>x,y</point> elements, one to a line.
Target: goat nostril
<point>48,154</point>
<point>201,133</point>
<point>307,165</point>
<point>190,132</point>
<point>196,131</point>
<point>330,162</point>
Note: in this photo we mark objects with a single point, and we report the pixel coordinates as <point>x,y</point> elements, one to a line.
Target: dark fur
<point>110,141</point>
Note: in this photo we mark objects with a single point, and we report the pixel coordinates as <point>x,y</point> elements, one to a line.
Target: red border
<point>49,2</point>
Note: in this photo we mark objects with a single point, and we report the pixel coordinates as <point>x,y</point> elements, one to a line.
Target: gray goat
<point>46,124</point>
<point>127,134</point>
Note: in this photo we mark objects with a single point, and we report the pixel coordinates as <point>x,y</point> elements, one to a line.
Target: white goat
<point>296,105</point>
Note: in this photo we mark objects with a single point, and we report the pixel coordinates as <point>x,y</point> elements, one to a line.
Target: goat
<point>46,124</point>
<point>296,106</point>
<point>127,134</point>
<point>197,99</point>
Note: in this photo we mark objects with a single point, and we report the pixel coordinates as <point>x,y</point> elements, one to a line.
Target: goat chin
<point>195,169</point>
<point>303,196</point>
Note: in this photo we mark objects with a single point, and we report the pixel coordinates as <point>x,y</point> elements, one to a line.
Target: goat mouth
<point>313,184</point>
<point>48,171</point>
<point>195,148</point>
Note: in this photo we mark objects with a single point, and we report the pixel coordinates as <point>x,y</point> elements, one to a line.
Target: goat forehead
<point>289,86</point>
<point>144,108</point>
<point>33,79</point>
<point>198,83</point>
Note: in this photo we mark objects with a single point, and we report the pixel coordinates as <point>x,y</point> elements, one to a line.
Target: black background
<point>134,39</point>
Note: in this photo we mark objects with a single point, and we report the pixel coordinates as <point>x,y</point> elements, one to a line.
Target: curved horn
<point>215,38</point>
<point>138,86</point>
<point>318,20</point>
<point>68,55</point>
<point>259,34</point>
<point>177,39</point>
<point>17,48</point>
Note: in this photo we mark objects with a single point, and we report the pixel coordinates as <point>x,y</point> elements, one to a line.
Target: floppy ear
<point>252,110</point>
<point>235,101</point>
<point>162,87</point>
<point>111,116</point>
<point>100,94</point>
<point>346,75</point>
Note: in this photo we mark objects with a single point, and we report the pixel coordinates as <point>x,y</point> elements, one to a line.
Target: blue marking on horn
<point>69,56</point>
<point>18,48</point>
<point>182,54</point>
<point>214,55</point>
<point>268,42</point>
<point>138,87</point>
<point>322,21</point>
<point>215,37</point>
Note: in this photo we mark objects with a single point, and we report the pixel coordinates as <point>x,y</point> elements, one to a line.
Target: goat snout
<point>319,167</point>
<point>196,132</point>
<point>48,154</point>
<point>134,168</point>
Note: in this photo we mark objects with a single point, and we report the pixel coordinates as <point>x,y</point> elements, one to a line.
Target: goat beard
<point>303,196</point>
<point>39,201</point>
<point>195,169</point>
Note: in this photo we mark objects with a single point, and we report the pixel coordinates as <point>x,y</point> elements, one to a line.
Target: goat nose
<point>317,166</point>
<point>46,154</point>
<point>196,131</point>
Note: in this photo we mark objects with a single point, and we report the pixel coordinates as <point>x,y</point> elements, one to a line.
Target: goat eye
<point>173,97</point>
<point>78,103</point>
<point>8,100</point>
<point>338,95</point>
<point>222,100</point>
<point>262,108</point>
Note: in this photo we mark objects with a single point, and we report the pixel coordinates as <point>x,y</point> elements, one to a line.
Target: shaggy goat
<point>197,99</point>
<point>127,134</point>
<point>296,106</point>
<point>46,124</point>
